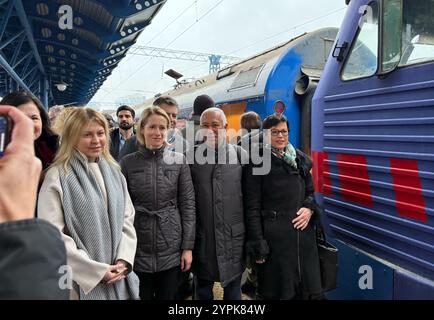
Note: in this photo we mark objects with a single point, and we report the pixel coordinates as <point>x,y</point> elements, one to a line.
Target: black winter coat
<point>130,146</point>
<point>32,253</point>
<point>163,197</point>
<point>114,145</point>
<point>271,203</point>
<point>219,250</point>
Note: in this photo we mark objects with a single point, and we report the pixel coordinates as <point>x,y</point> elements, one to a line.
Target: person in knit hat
<point>200,104</point>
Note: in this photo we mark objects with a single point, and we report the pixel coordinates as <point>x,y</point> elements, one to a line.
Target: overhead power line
<point>287,30</point>
<point>274,35</point>
<point>176,38</point>
<point>179,54</point>
<point>214,60</point>
<point>167,26</point>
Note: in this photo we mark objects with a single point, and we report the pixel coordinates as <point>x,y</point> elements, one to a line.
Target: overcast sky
<point>238,28</point>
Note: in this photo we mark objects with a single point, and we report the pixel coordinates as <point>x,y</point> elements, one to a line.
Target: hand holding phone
<point>5,132</point>
<point>19,169</point>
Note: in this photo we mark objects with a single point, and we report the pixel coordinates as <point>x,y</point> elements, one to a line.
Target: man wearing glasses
<point>218,255</point>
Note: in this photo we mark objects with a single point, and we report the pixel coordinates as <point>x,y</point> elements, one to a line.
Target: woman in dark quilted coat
<point>279,210</point>
<point>160,186</point>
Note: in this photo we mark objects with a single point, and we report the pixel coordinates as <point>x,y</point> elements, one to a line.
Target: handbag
<point>328,260</point>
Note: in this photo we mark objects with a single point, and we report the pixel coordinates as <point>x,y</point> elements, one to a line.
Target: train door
<point>373,149</point>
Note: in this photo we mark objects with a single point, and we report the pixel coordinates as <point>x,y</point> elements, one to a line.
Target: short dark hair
<point>165,100</point>
<point>126,108</point>
<point>250,120</point>
<point>274,120</point>
<point>18,98</point>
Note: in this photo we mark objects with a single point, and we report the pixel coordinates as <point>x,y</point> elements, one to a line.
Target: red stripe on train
<point>408,189</point>
<point>354,179</point>
<point>321,173</point>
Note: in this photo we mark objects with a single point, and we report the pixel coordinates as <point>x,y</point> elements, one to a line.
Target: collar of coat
<point>152,153</point>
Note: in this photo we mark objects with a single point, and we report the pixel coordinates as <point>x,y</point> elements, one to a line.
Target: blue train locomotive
<point>373,149</point>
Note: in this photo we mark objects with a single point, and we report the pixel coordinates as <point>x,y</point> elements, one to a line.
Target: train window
<point>246,78</point>
<point>362,61</point>
<point>391,35</point>
<point>417,32</point>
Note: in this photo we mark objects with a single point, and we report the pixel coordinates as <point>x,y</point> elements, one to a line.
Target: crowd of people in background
<point>129,223</point>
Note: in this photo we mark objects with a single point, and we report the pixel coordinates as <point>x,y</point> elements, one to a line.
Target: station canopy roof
<point>72,45</point>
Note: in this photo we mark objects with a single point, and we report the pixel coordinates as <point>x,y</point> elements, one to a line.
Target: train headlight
<point>279,107</point>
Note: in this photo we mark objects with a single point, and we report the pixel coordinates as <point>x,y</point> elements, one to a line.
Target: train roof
<point>248,78</point>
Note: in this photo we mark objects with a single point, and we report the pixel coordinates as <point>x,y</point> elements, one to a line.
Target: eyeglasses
<point>214,126</point>
<point>275,133</point>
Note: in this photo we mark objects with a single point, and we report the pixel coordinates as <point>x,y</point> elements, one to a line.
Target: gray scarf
<point>96,227</point>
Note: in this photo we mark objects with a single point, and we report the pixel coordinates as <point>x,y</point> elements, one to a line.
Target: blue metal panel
<point>308,52</point>
<point>409,286</point>
<point>382,134</point>
<point>257,105</point>
<point>280,86</point>
<point>381,118</point>
<point>351,283</point>
<point>91,68</point>
<point>71,39</point>
<point>52,18</point>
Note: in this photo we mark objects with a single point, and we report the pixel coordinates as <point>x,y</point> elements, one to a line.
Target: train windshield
<point>417,31</point>
<point>363,58</point>
<point>405,37</point>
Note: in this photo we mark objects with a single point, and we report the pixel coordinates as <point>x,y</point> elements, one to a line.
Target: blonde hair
<point>144,117</point>
<point>59,122</point>
<point>55,111</point>
<point>74,122</point>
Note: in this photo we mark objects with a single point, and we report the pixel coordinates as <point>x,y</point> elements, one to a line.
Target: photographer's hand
<point>19,170</point>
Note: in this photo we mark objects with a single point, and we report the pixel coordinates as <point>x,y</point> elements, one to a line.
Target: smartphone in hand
<point>5,132</point>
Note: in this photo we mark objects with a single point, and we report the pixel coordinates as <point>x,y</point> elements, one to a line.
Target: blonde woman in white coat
<point>84,194</point>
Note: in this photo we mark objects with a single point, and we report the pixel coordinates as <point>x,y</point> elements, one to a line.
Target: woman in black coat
<point>160,186</point>
<point>279,210</point>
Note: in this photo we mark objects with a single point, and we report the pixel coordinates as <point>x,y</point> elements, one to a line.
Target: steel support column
<point>25,23</point>
<point>44,92</point>
<point>13,74</point>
